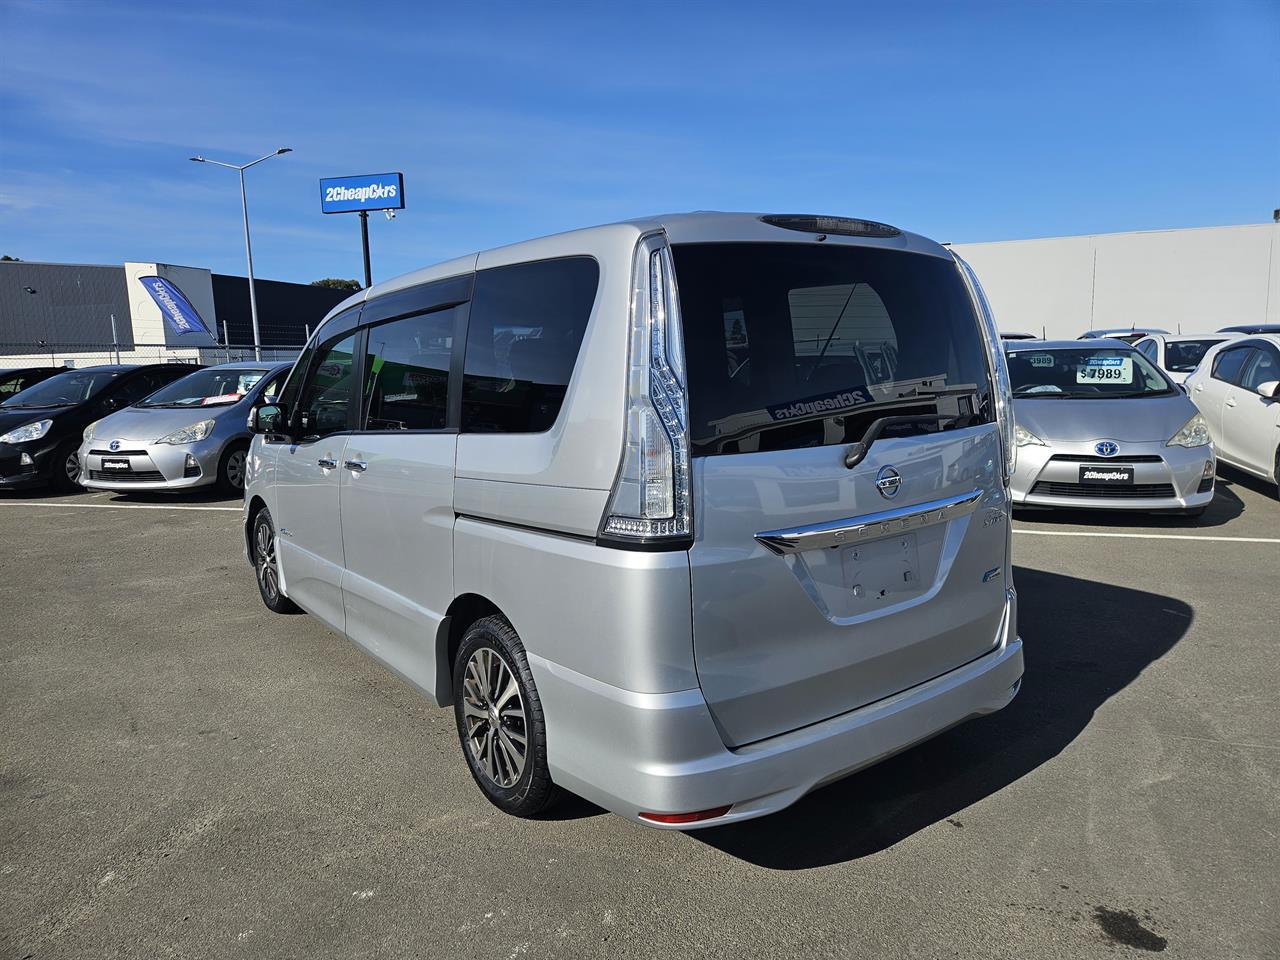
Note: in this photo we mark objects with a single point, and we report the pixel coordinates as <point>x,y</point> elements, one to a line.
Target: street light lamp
<point>248,250</point>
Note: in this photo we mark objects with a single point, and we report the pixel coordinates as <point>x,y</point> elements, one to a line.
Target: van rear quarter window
<point>525,328</point>
<point>801,345</point>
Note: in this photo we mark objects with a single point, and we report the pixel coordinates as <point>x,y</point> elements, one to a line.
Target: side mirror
<point>267,419</point>
<point>1270,389</point>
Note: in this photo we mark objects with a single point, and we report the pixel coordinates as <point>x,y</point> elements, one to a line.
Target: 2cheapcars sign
<point>173,303</point>
<point>374,191</point>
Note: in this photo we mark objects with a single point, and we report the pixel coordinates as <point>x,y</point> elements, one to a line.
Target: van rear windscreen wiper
<point>858,451</point>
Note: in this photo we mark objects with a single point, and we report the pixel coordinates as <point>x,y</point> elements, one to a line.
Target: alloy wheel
<point>264,545</point>
<point>72,466</point>
<point>497,733</point>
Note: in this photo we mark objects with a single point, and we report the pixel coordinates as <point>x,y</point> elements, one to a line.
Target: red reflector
<point>687,817</point>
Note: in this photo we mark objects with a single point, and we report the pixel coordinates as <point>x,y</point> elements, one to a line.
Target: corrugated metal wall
<point>71,304</point>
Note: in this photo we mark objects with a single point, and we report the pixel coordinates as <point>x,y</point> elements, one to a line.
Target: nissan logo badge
<point>888,482</point>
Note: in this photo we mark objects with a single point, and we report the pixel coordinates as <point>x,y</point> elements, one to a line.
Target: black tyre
<point>266,566</point>
<point>1276,474</point>
<point>500,721</point>
<point>65,474</point>
<point>231,468</point>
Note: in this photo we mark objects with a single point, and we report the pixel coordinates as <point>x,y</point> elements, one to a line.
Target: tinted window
<point>1229,364</point>
<point>407,372</point>
<point>1183,356</point>
<point>1148,348</point>
<point>799,345</point>
<point>526,324</point>
<point>328,390</point>
<point>16,383</point>
<point>66,389</point>
<point>1083,373</point>
<point>1259,369</point>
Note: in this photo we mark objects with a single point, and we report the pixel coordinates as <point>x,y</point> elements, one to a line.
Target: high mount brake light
<point>839,226</point>
<point>651,503</point>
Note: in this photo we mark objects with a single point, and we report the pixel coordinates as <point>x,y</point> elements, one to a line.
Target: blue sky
<point>961,121</point>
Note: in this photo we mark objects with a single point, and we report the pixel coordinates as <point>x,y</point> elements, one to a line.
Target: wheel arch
<point>465,610</point>
<point>256,505</point>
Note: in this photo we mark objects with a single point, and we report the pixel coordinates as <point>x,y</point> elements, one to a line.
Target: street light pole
<point>248,249</point>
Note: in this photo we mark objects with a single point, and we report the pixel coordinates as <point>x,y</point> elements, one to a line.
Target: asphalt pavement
<point>184,774</point>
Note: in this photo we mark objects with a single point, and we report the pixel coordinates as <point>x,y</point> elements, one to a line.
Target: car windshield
<point>64,389</point>
<point>1183,356</point>
<point>1084,373</point>
<point>206,388</point>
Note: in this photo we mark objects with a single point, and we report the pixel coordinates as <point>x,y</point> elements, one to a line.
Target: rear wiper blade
<point>858,451</point>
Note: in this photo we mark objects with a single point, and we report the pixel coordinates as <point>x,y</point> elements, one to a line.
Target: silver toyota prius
<point>1098,425</point>
<point>191,433</point>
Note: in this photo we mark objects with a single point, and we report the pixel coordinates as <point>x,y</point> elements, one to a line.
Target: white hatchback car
<point>1237,388</point>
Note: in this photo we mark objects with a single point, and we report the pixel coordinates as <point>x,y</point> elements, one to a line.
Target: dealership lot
<point>186,774</point>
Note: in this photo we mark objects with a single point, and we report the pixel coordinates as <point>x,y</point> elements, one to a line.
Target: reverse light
<point>197,431</point>
<point>650,502</point>
<point>694,817</point>
<point>1003,389</point>
<point>1025,438</point>
<point>1193,433</point>
<point>27,432</point>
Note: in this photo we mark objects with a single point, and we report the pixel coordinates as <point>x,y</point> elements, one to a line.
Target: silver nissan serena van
<point>687,515</point>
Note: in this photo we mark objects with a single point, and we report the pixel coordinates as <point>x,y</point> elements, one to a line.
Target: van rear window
<point>801,345</point>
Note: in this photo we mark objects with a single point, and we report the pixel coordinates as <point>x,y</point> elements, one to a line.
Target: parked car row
<point>131,427</point>
<point>1140,427</point>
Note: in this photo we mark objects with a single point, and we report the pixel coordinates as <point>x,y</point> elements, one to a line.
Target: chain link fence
<point>43,354</point>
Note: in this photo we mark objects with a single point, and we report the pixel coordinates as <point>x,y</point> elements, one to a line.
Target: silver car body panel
<point>654,699</point>
<point>135,430</point>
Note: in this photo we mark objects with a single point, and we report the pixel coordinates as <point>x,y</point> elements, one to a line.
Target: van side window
<point>328,390</point>
<point>526,325</point>
<point>1227,365</point>
<point>407,372</point>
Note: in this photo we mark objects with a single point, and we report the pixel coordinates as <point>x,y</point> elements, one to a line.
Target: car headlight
<point>1025,438</point>
<point>1193,433</point>
<point>88,431</point>
<point>27,432</point>
<point>197,431</point>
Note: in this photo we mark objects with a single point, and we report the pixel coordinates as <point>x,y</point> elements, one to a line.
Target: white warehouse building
<point>1192,280</point>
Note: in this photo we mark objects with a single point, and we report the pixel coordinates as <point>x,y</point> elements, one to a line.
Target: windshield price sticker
<point>1041,360</point>
<point>1105,370</point>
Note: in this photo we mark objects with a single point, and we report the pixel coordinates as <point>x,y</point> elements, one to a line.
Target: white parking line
<point>113,506</point>
<point>1144,536</point>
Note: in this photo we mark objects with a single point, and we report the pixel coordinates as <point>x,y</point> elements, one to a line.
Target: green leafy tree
<point>13,259</point>
<point>336,283</point>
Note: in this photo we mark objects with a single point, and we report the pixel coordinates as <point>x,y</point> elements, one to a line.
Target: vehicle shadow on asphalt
<point>1085,642</point>
<point>1224,508</point>
<point>1230,476</point>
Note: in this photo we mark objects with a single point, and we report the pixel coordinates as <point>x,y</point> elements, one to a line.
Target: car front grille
<point>1134,491</point>
<point>130,476</point>
<point>118,453</point>
<point>1118,458</point>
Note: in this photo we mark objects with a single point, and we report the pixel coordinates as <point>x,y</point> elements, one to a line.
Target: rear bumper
<point>662,753</point>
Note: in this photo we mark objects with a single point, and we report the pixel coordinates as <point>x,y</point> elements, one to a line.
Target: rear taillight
<point>650,504</point>
<point>999,368</point>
